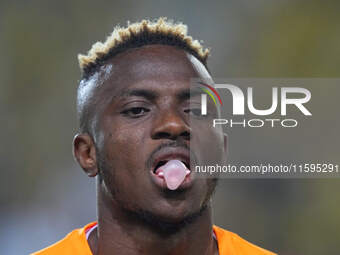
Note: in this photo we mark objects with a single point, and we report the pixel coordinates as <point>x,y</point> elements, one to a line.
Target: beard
<point>142,216</point>
<point>162,226</point>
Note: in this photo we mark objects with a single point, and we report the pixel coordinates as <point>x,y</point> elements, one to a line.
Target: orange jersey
<point>228,244</point>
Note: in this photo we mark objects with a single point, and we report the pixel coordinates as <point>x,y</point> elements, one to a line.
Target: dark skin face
<point>144,113</point>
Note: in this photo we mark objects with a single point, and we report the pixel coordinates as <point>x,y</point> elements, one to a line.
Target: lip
<point>170,153</point>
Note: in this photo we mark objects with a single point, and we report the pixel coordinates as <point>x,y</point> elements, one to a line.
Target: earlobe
<point>84,152</point>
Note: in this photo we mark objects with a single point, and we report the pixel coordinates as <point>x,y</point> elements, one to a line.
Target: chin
<point>176,209</point>
<point>170,222</point>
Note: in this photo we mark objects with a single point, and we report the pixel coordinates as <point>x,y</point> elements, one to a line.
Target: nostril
<point>166,135</point>
<point>162,135</point>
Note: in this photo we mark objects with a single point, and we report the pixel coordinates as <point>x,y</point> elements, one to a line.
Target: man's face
<point>143,118</point>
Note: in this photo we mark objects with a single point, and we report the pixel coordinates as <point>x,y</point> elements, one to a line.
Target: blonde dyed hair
<point>146,32</point>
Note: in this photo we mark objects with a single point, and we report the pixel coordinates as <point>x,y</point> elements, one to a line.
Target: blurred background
<point>44,194</point>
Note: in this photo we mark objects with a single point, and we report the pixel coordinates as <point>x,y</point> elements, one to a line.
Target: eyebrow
<point>152,95</point>
<point>148,94</point>
<point>186,94</point>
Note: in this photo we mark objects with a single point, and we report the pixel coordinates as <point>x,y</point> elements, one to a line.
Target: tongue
<point>174,173</point>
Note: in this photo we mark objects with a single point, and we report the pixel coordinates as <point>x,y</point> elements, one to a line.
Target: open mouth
<point>171,168</point>
<point>163,162</point>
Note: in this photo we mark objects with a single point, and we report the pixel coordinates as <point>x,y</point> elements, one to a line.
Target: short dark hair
<point>139,34</point>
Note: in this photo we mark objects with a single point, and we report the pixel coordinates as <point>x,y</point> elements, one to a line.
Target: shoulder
<point>231,243</point>
<point>73,243</point>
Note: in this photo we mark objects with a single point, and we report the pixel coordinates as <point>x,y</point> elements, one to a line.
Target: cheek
<point>125,166</point>
<point>125,153</point>
<point>120,139</point>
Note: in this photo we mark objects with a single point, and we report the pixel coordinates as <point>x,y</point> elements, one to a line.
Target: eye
<point>193,111</point>
<point>135,112</point>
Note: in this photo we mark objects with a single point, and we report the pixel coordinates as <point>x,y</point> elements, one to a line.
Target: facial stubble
<point>149,219</point>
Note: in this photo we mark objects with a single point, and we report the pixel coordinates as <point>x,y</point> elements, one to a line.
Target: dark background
<point>43,192</point>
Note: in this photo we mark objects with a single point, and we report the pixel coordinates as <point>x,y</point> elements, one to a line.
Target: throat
<point>91,237</point>
<point>196,237</point>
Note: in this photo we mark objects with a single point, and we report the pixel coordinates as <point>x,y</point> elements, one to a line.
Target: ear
<point>85,153</point>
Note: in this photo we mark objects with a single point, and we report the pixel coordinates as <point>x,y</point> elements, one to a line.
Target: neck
<point>118,232</point>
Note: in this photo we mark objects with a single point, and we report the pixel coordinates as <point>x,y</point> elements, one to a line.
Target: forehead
<point>157,66</point>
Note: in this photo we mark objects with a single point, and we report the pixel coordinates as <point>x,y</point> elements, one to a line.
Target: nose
<point>170,125</point>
